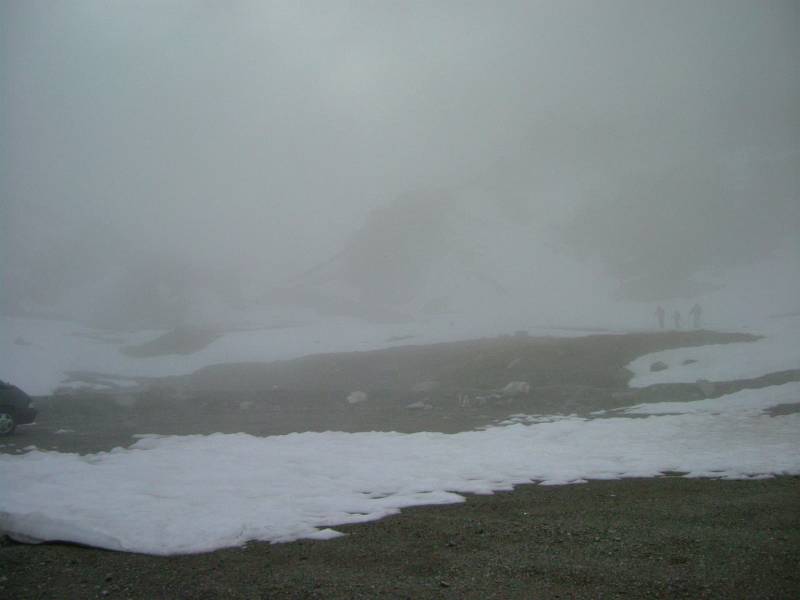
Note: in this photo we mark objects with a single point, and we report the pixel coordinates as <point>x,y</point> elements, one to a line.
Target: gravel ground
<point>661,538</point>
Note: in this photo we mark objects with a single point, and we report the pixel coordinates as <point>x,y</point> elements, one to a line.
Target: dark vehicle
<point>16,408</point>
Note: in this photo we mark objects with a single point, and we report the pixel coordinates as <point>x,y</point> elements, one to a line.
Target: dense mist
<point>171,162</point>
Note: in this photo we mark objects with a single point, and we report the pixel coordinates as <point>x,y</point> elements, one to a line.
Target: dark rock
<point>658,366</point>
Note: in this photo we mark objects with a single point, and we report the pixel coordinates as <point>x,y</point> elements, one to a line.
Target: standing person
<point>696,313</point>
<point>660,314</point>
<point>676,316</point>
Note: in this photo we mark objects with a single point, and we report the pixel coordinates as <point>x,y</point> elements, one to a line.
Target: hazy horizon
<point>379,158</point>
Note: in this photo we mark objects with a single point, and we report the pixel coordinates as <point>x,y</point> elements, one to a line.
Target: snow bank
<point>184,494</point>
<point>744,402</point>
<point>779,350</point>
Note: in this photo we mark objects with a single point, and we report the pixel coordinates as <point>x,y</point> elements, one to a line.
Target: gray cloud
<point>255,137</point>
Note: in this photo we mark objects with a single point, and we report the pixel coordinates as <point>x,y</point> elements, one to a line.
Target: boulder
<point>419,406</point>
<point>516,388</point>
<point>425,387</point>
<point>658,366</point>
<point>357,397</point>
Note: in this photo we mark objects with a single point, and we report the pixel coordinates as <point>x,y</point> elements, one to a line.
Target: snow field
<point>779,350</point>
<point>185,494</point>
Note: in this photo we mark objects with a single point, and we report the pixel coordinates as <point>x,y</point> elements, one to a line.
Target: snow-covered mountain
<point>468,260</point>
<point>465,256</point>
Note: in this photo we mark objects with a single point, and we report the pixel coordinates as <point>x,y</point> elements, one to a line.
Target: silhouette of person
<point>660,314</point>
<point>696,313</point>
<point>676,316</point>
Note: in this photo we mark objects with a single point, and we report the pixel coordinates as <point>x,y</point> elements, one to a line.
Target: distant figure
<point>696,313</point>
<point>676,316</point>
<point>660,314</point>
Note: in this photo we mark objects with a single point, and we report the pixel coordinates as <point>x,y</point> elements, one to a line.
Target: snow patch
<point>778,351</point>
<point>749,402</point>
<point>185,494</point>
<point>357,397</point>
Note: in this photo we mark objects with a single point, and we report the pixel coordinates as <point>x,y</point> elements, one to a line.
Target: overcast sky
<point>258,134</point>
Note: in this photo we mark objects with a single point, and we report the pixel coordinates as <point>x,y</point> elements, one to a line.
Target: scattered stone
<point>516,388</point>
<point>357,397</point>
<point>425,387</point>
<point>419,406</point>
<point>658,366</point>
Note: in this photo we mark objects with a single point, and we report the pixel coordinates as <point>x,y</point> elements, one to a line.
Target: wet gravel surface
<point>657,538</point>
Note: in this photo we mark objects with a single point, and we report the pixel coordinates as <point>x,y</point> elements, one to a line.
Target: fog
<point>165,162</point>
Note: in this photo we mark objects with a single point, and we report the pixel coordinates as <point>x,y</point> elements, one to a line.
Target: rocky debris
<point>658,366</point>
<point>419,406</point>
<point>424,387</point>
<point>357,397</point>
<point>516,388</point>
<point>466,400</point>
